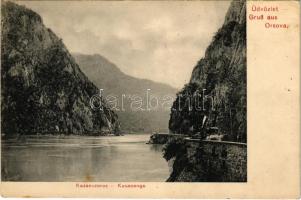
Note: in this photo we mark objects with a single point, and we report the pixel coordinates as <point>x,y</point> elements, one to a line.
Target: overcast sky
<point>161,41</point>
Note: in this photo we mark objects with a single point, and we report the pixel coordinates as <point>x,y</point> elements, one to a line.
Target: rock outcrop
<point>42,88</point>
<point>163,138</point>
<point>219,79</point>
<point>195,160</point>
<point>213,104</point>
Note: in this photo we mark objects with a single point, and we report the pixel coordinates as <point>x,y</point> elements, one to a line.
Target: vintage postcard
<point>150,99</point>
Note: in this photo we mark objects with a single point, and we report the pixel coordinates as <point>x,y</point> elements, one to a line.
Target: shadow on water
<point>156,147</point>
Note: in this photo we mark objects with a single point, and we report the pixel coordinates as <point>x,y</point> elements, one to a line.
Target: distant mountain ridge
<point>42,88</point>
<point>100,69</point>
<point>108,76</point>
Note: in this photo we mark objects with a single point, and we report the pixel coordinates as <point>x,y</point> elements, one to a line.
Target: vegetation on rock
<point>42,88</point>
<point>220,79</point>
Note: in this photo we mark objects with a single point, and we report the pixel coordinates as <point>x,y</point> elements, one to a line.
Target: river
<point>83,158</point>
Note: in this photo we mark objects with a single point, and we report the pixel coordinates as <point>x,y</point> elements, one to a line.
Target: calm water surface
<point>81,158</point>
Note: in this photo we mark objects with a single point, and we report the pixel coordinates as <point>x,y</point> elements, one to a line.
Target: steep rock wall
<point>220,80</point>
<point>210,161</point>
<point>42,88</point>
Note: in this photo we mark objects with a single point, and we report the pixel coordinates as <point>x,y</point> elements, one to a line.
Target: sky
<point>157,40</point>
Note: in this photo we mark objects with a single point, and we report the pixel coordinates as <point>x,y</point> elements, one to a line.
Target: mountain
<point>42,88</point>
<point>219,79</point>
<point>114,82</point>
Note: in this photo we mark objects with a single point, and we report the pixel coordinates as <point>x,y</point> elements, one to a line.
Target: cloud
<point>157,40</point>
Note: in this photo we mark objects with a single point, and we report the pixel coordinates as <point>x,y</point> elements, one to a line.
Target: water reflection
<point>72,158</point>
<point>156,147</point>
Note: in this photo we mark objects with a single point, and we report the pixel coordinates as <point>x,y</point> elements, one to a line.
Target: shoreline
<point>14,136</point>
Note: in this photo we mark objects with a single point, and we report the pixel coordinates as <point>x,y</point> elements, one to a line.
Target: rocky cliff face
<point>193,160</point>
<point>109,77</point>
<point>219,79</point>
<point>42,88</point>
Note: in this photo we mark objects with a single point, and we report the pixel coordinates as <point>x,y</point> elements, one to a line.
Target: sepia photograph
<point>123,91</point>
